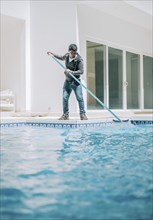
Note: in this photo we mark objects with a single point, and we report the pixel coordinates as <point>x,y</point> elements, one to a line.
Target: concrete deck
<point>96,118</point>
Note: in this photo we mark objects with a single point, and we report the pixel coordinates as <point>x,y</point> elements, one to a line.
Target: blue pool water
<point>103,173</point>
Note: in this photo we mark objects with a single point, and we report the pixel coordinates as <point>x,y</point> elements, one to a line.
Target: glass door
<point>115,74</point>
<point>95,73</point>
<point>118,86</point>
<point>148,82</point>
<point>133,80</point>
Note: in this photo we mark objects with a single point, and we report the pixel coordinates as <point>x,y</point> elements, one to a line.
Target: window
<point>133,80</point>
<point>95,73</point>
<point>148,81</point>
<point>115,67</point>
<point>107,83</point>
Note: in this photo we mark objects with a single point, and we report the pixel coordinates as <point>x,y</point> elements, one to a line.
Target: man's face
<point>71,54</point>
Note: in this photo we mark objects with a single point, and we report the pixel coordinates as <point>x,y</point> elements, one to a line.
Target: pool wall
<point>70,123</point>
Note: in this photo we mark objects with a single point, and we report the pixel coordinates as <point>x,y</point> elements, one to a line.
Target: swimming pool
<point>103,173</point>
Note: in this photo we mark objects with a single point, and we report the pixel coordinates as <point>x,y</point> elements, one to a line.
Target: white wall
<point>115,23</point>
<point>13,58</point>
<point>17,9</point>
<point>53,28</point>
<point>15,49</point>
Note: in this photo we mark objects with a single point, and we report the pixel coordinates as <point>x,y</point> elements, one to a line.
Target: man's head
<point>72,50</point>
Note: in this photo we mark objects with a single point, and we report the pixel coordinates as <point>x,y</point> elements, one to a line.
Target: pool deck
<point>75,120</point>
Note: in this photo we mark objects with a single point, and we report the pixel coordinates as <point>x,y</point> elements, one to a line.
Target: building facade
<point>114,40</point>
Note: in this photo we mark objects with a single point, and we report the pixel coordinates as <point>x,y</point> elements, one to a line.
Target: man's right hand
<point>49,53</point>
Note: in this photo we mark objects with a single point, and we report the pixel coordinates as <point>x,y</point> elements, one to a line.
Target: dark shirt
<point>76,65</point>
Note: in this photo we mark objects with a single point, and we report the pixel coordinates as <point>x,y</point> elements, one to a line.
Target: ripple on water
<point>77,173</point>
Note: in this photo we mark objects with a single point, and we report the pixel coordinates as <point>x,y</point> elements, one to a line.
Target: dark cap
<point>73,47</point>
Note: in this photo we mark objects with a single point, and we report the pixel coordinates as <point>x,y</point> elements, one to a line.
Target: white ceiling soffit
<point>146,6</point>
<point>123,10</point>
<point>143,5</point>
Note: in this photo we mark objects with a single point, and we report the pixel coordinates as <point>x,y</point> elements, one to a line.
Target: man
<point>74,65</point>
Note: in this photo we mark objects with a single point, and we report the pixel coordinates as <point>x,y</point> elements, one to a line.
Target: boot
<point>83,117</point>
<point>64,117</point>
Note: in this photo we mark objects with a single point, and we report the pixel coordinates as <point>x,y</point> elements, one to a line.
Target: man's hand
<point>49,53</point>
<point>67,71</point>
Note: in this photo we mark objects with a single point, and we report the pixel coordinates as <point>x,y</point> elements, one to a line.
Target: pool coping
<point>72,123</point>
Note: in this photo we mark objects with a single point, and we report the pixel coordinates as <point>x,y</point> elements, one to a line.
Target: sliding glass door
<point>133,80</point>
<point>148,82</point>
<point>118,86</point>
<point>95,73</point>
<point>115,73</point>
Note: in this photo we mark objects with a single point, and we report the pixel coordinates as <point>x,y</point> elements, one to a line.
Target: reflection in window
<point>95,73</point>
<point>148,82</point>
<point>115,63</point>
<point>133,80</point>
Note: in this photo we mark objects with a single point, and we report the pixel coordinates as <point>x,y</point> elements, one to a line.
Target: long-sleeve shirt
<point>75,65</point>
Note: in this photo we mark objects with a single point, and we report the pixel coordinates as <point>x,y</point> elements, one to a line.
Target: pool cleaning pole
<point>102,104</point>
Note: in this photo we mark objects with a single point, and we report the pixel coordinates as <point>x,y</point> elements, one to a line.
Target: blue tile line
<point>53,125</point>
<point>68,125</point>
<point>142,122</point>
